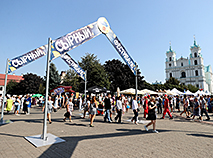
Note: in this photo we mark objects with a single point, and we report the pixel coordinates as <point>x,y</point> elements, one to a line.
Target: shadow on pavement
<point>69,146</point>
<point>201,135</point>
<point>12,135</point>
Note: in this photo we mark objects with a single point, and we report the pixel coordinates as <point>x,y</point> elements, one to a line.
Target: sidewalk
<point>176,138</point>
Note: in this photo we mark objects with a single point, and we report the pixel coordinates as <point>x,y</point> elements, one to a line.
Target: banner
<point>59,46</point>
<point>58,91</point>
<point>22,60</point>
<point>73,64</point>
<point>72,40</point>
<point>104,27</point>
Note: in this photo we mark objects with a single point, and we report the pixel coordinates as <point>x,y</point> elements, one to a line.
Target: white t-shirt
<point>134,105</point>
<point>119,104</point>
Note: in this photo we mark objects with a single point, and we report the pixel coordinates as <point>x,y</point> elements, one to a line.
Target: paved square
<point>176,138</point>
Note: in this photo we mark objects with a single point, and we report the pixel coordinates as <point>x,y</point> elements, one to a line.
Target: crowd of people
<point>107,105</point>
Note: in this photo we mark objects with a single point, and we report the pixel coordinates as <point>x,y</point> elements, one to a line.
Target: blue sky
<point>144,27</point>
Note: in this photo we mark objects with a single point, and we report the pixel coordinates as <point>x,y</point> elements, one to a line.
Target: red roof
<point>10,77</point>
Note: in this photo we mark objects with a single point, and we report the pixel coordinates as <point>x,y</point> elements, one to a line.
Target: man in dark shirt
<point>107,106</point>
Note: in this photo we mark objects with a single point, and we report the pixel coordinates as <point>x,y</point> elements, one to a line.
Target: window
<point>195,55</point>
<point>170,58</point>
<point>170,65</point>
<point>181,64</point>
<point>195,62</point>
<point>196,72</point>
<point>170,75</point>
<point>183,74</point>
<point>197,85</point>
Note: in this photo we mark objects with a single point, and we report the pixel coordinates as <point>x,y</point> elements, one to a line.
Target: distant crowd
<point>107,105</point>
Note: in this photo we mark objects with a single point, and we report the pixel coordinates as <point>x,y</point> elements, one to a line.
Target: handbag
<point>138,109</point>
<point>67,114</point>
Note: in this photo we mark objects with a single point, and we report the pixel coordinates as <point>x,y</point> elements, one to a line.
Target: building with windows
<point>190,70</point>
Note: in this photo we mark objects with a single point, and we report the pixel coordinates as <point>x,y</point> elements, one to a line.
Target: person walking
<point>93,108</point>
<point>9,104</point>
<point>41,101</point>
<point>151,115</point>
<point>119,109</point>
<point>178,103</point>
<point>159,105</point>
<point>1,103</point>
<point>17,105</point>
<point>145,106</point>
<point>86,106</point>
<point>185,106</point>
<point>28,103</point>
<point>166,108</point>
<point>49,108</point>
<point>107,106</point>
<point>135,110</point>
<point>196,109</point>
<point>204,107</point>
<point>69,108</point>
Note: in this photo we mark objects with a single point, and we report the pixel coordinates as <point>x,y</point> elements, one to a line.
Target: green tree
<point>54,77</point>
<point>192,88</point>
<point>96,75</point>
<point>72,79</point>
<point>41,89</point>
<point>30,84</point>
<point>12,87</point>
<point>175,83</point>
<point>121,76</point>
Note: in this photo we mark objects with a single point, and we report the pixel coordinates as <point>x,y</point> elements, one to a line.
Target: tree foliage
<point>72,79</point>
<point>12,87</point>
<point>54,77</point>
<point>121,76</point>
<point>175,83</point>
<point>31,84</point>
<point>96,74</point>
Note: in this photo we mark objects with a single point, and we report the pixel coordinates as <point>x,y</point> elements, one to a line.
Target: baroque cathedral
<point>190,70</point>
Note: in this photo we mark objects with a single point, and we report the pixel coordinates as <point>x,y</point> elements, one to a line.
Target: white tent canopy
<point>147,91</point>
<point>189,93</point>
<point>201,93</point>
<point>176,91</point>
<point>168,92</point>
<point>144,91</point>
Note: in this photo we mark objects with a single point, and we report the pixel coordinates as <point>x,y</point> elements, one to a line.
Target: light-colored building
<point>190,70</point>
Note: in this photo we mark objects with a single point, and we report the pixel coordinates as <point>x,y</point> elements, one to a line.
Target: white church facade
<point>190,70</point>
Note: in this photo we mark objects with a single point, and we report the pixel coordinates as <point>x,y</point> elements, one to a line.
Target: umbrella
<point>36,95</point>
<point>128,91</point>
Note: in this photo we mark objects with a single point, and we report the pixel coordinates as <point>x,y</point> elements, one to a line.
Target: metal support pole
<point>4,93</point>
<point>44,134</point>
<point>136,82</point>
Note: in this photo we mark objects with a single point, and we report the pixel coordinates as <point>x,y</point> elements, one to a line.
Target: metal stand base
<point>140,121</point>
<point>5,122</point>
<point>38,142</point>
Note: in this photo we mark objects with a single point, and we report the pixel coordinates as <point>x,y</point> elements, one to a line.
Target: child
<point>69,107</point>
